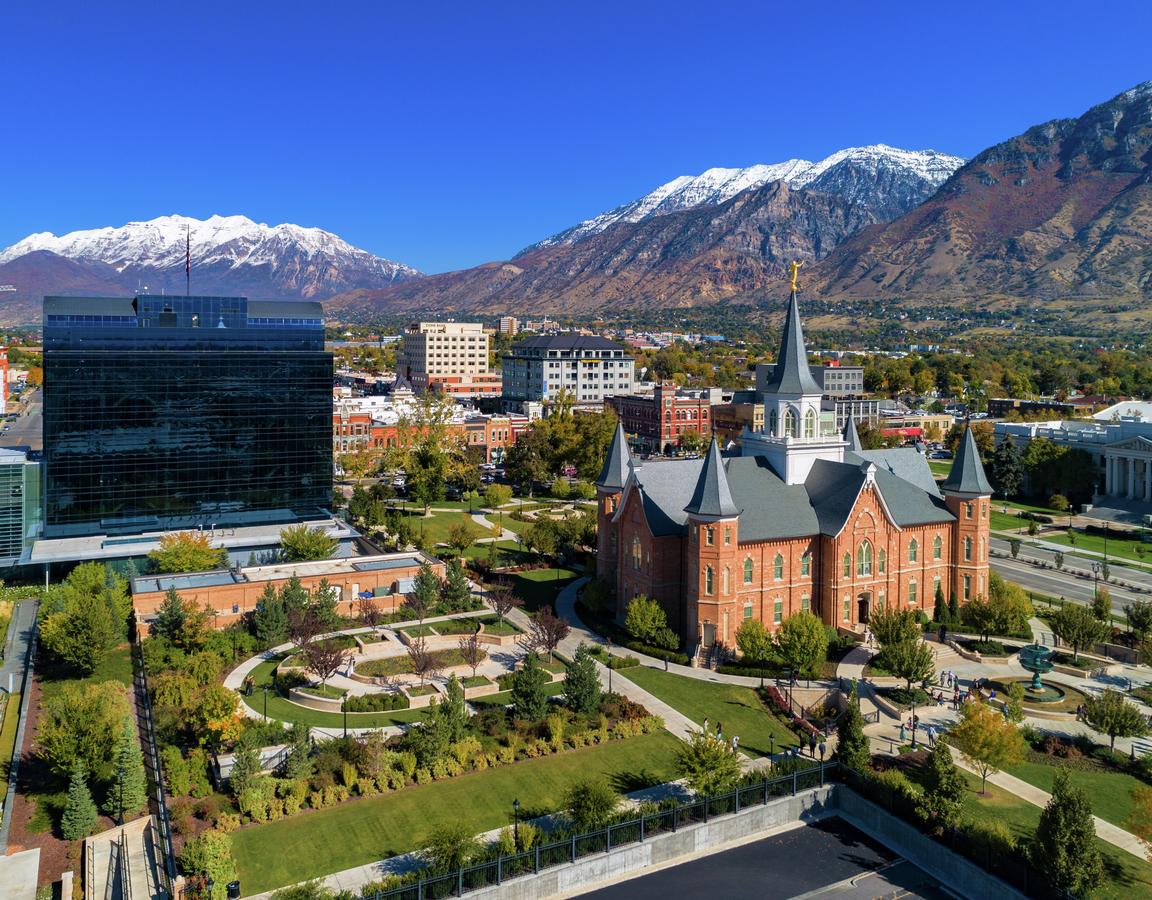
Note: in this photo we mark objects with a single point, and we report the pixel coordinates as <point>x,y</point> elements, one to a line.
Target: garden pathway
<point>487,524</point>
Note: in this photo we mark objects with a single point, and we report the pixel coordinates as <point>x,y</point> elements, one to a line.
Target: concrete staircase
<point>125,863</point>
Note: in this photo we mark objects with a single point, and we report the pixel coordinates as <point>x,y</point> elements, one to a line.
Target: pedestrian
<point>665,662</point>
<point>735,742</point>
<point>705,726</point>
<point>719,728</point>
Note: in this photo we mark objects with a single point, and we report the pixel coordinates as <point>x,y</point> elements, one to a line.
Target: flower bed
<point>388,666</point>
<point>420,690</point>
<point>779,702</point>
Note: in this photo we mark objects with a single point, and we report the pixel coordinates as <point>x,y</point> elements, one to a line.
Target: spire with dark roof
<point>712,497</point>
<point>967,474</point>
<point>851,438</point>
<point>792,375</point>
<point>618,464</point>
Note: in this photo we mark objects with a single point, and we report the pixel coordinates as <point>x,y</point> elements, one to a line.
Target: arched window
<point>747,611</point>
<point>967,548</point>
<point>810,424</point>
<point>882,562</point>
<point>778,567</point>
<point>805,603</point>
<point>913,550</point>
<point>748,571</point>
<point>937,547</point>
<point>806,564</point>
<point>791,427</point>
<point>864,559</point>
<point>847,565</point>
<point>772,423</point>
<point>636,553</point>
<point>707,579</point>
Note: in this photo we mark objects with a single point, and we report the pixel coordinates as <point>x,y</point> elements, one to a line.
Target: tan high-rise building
<point>451,357</point>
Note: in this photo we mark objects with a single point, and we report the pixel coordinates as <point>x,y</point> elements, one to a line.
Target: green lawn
<point>512,552</point>
<point>286,711</point>
<point>435,528</point>
<point>1002,522</point>
<point>1109,792</point>
<point>736,708</point>
<point>1125,549</point>
<point>538,588</point>
<point>940,467</point>
<point>503,698</point>
<point>363,831</point>
<point>8,741</point>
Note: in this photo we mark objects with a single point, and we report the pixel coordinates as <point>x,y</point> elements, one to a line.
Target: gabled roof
<point>665,487</point>
<point>712,496</point>
<point>792,375</point>
<point>904,462</point>
<point>967,473</point>
<point>618,463</point>
<point>851,437</point>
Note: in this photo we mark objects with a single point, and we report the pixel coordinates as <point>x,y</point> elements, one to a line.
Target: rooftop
<point>567,342</point>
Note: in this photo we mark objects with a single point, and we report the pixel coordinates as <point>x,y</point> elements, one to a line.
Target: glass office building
<point>182,412</point>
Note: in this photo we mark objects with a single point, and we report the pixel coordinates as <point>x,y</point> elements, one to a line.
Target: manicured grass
<point>940,467</point>
<point>508,551</point>
<point>1002,522</point>
<point>493,626</point>
<point>1110,793</point>
<point>538,588</point>
<point>1125,549</point>
<point>8,741</point>
<point>324,690</point>
<point>419,630</point>
<point>435,529</point>
<point>456,626</point>
<point>503,698</point>
<point>471,681</point>
<point>737,709</point>
<point>364,831</point>
<point>1125,875</point>
<point>286,711</point>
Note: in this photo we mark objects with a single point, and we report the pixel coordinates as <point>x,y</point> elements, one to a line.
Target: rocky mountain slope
<point>702,255</point>
<point>1065,209</point>
<point>885,180</point>
<point>230,255</point>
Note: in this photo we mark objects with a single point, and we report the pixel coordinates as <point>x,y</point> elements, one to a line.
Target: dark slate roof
<point>614,474</point>
<point>903,462</point>
<point>791,374</point>
<point>89,306</point>
<point>850,435</point>
<point>712,496</point>
<point>967,473</point>
<point>772,509</point>
<point>567,342</point>
<point>666,487</point>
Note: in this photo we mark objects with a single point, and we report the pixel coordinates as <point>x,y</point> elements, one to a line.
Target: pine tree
<point>170,617</point>
<point>853,749</point>
<point>324,606</point>
<point>1007,468</point>
<point>582,685</point>
<point>270,621</point>
<point>1064,846</point>
<point>529,701</point>
<point>453,711</point>
<point>129,772</point>
<point>940,610</point>
<point>79,812</point>
<point>944,788</point>
<point>953,609</point>
<point>246,768</point>
<point>457,590</point>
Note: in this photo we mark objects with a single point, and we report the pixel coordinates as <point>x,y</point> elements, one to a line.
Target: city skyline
<point>468,137</point>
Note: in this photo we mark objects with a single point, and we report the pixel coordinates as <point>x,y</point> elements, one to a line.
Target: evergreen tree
<point>582,685</point>
<point>80,811</point>
<point>1064,847</point>
<point>295,596</point>
<point>457,590</point>
<point>1007,468</point>
<point>298,763</point>
<point>246,769</point>
<point>129,786</point>
<point>944,788</point>
<point>324,606</point>
<point>270,622</point>
<point>940,610</point>
<point>953,609</point>
<point>169,617</point>
<point>425,592</point>
<point>529,701</point>
<point>853,749</point>
<point>453,711</point>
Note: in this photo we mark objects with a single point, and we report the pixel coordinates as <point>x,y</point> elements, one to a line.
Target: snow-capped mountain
<point>229,255</point>
<point>886,180</point>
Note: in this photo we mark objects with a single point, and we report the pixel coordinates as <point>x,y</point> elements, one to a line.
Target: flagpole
<point>187,260</point>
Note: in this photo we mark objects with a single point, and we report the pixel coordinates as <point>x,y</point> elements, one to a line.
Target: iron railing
<point>148,731</point>
<point>573,847</point>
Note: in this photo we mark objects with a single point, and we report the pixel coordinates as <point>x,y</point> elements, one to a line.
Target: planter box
<point>324,704</point>
<point>420,700</point>
<point>482,690</point>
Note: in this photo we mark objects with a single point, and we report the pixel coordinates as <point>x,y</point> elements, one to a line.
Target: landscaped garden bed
<point>390,666</point>
<point>419,690</point>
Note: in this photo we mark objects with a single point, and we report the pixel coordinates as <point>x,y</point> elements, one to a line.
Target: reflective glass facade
<point>176,412</point>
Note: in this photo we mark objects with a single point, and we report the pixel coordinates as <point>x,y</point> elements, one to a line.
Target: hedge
<point>681,659</point>
<point>377,702</point>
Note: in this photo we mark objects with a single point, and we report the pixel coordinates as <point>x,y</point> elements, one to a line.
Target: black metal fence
<point>152,761</point>
<point>573,847</point>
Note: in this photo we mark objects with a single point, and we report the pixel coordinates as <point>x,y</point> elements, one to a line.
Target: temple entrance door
<point>863,605</point>
<point>709,634</point>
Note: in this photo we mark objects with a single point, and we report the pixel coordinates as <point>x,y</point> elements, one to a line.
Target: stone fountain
<point>1037,659</point>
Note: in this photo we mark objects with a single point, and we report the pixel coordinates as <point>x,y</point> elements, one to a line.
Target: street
<point>26,432</point>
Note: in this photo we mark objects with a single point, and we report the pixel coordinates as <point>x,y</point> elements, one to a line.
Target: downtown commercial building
<point>165,413</point>
<point>587,367</point>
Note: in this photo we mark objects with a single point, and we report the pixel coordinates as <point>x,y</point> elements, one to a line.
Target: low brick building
<point>657,423</point>
<point>233,593</point>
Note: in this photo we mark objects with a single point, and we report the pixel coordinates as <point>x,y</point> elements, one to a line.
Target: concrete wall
<point>666,847</point>
<point>964,877</point>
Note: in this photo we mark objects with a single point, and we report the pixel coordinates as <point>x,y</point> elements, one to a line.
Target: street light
<point>1095,575</point>
<point>344,709</point>
<point>609,640</point>
<point>265,701</point>
<point>120,778</point>
<point>913,721</point>
<point>772,738</point>
<point>516,824</point>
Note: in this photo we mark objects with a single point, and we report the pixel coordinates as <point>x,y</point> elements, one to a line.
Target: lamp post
<point>1095,575</point>
<point>609,640</point>
<point>772,752</point>
<point>120,779</point>
<point>516,824</point>
<point>344,709</point>
<point>913,721</point>
<point>265,701</point>
<point>209,883</point>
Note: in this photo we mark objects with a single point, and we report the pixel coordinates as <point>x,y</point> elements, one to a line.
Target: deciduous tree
<point>1074,624</point>
<point>1110,713</point>
<point>503,600</point>
<point>1139,615</point>
<point>590,804</point>
<point>707,765</point>
<point>987,740</point>
<point>546,632</point>
<point>472,651</point>
<point>890,625</point>
<point>803,642</point>
<point>424,663</point>
<point>910,660</point>
<point>301,543</point>
<point>81,723</point>
<point>187,551</point>
<point>755,642</point>
<point>326,658</point>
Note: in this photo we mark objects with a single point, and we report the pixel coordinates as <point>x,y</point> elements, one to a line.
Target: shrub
<point>380,702</point>
<point>681,659</point>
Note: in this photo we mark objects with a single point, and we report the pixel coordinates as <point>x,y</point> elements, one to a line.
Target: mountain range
<point>1062,212</point>
<point>230,255</point>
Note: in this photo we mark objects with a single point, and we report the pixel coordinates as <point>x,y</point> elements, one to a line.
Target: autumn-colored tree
<point>472,651</point>
<point>187,551</point>
<point>546,632</point>
<point>987,740</point>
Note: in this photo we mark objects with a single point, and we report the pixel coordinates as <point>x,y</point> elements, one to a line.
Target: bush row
<point>381,702</point>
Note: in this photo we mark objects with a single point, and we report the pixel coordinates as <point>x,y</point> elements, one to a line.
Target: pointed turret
<point>967,474</point>
<point>792,375</point>
<point>851,438</point>
<point>618,464</point>
<point>712,497</point>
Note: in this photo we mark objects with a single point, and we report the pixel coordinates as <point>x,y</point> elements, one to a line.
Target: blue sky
<point>446,134</point>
